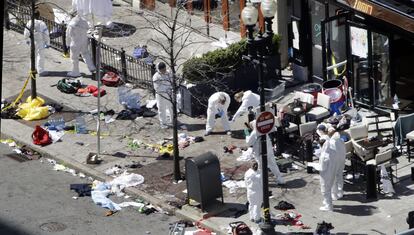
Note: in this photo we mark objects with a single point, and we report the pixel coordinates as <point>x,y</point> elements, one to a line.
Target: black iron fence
<point>136,71</point>
<point>128,1</point>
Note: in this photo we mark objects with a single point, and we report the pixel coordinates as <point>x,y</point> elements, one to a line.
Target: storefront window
<point>381,66</point>
<point>317,15</point>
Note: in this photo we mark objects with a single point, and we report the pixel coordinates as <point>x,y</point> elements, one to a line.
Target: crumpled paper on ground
<point>233,185</point>
<point>125,180</point>
<point>246,155</point>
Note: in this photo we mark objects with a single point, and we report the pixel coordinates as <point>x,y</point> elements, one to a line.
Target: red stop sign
<point>265,122</point>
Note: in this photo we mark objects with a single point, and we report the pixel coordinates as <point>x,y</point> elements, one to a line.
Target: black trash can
<point>203,179</point>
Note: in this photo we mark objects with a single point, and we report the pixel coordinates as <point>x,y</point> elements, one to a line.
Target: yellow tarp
<point>33,109</point>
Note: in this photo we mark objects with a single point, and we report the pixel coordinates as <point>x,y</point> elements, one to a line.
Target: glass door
<point>371,67</point>
<point>352,50</point>
<point>335,47</point>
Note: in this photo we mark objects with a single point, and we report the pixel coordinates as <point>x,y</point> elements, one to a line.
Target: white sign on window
<point>295,30</point>
<point>359,42</point>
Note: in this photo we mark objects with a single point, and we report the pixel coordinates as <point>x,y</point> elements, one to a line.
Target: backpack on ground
<point>240,228</point>
<point>69,87</point>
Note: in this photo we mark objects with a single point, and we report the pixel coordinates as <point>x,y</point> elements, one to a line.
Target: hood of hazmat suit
<point>162,81</point>
<point>41,33</point>
<point>249,99</point>
<point>214,102</point>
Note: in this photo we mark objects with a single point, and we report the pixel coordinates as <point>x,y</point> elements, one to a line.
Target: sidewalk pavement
<point>129,20</point>
<point>352,214</point>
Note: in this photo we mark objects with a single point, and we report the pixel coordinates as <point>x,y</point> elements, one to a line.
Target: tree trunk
<point>177,173</point>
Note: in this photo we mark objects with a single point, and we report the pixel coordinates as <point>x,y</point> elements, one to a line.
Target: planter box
<point>194,100</point>
<point>274,92</point>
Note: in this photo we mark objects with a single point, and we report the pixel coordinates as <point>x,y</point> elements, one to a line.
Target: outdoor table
<point>388,104</point>
<point>371,172</point>
<point>374,144</point>
<point>296,113</point>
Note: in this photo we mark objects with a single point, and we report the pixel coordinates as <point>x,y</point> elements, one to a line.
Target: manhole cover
<point>53,227</point>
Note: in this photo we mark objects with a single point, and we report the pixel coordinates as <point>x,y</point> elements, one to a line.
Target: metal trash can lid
<point>311,88</point>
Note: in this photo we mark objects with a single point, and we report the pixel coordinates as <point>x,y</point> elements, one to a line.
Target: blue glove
<point>246,132</point>
<point>46,46</point>
<point>28,42</point>
<point>220,113</point>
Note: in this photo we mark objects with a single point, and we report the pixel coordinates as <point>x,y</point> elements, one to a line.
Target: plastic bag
<point>32,110</point>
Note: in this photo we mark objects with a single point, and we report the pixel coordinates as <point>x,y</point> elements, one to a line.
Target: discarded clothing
<point>323,228</point>
<point>127,115</point>
<point>283,205</point>
<point>100,197</point>
<point>82,189</point>
<point>229,149</point>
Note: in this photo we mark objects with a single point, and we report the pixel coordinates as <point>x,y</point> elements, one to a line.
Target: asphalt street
<point>35,199</point>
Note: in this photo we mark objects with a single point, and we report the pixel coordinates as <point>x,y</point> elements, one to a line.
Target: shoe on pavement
<point>163,126</point>
<point>334,197</point>
<point>228,132</point>
<point>280,181</point>
<point>326,208</point>
<point>207,133</point>
<point>340,195</point>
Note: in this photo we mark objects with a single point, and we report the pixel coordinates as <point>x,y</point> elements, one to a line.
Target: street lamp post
<point>258,48</point>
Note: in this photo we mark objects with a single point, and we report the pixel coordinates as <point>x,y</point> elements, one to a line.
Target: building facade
<point>370,42</point>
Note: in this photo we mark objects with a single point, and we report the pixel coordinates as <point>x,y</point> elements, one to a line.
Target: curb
<point>197,217</point>
<point>170,210</point>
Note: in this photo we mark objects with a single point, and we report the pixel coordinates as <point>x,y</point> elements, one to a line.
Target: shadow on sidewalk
<point>11,229</point>
<point>358,210</point>
<point>119,30</point>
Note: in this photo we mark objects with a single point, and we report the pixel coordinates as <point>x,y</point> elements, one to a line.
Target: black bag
<point>284,205</point>
<point>240,228</point>
<point>323,228</point>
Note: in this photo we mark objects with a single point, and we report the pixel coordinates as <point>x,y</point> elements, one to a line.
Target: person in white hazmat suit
<point>162,80</point>
<point>77,39</point>
<point>247,99</point>
<point>42,41</point>
<point>95,12</point>
<point>254,186</point>
<point>340,158</point>
<point>218,103</point>
<point>328,168</point>
<point>254,140</point>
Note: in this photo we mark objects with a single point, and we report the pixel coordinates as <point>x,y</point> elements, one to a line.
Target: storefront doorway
<point>357,55</point>
<point>403,54</point>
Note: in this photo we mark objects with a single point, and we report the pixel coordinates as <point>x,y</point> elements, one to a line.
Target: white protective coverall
<point>214,107</point>
<point>253,180</point>
<point>340,156</point>
<point>94,11</point>
<point>77,38</point>
<point>163,89</point>
<point>328,170</point>
<point>42,40</point>
<point>254,140</point>
<point>249,99</point>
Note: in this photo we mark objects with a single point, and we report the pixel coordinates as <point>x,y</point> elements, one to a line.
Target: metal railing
<point>136,71</point>
<point>128,1</point>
